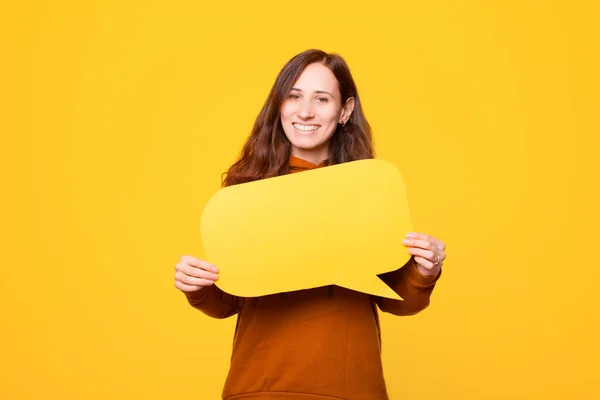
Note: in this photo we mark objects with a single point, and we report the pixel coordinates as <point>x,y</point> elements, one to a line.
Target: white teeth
<point>306,128</point>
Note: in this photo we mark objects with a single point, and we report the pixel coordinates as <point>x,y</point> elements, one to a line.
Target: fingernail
<point>410,234</point>
<point>406,241</point>
<point>214,276</point>
<point>215,269</point>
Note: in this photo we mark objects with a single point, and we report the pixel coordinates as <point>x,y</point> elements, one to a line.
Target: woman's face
<point>311,111</point>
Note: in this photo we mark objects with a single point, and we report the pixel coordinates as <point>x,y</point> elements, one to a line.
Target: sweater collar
<point>299,164</point>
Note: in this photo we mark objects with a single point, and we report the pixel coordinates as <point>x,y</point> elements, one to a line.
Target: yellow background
<point>118,118</point>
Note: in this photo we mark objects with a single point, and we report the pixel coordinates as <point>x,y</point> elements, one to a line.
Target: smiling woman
<point>313,112</point>
<point>321,343</point>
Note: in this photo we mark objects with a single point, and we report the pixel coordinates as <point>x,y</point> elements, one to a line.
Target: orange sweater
<point>321,343</point>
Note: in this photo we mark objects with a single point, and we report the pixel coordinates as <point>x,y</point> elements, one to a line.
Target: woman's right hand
<point>192,274</point>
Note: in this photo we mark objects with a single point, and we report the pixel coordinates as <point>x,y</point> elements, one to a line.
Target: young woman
<point>321,343</point>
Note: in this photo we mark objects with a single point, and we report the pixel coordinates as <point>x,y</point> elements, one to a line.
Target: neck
<point>312,156</point>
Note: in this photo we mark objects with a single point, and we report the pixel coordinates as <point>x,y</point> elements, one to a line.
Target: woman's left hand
<point>429,252</point>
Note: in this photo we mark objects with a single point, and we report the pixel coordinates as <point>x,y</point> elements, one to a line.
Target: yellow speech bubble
<point>337,225</point>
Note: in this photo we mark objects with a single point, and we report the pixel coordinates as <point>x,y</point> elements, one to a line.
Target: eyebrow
<point>317,91</point>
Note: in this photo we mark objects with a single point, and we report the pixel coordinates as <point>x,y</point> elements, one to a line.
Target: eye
<point>322,99</point>
<point>294,96</point>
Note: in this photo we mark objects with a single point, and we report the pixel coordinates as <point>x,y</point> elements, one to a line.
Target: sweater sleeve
<point>214,302</point>
<point>414,287</point>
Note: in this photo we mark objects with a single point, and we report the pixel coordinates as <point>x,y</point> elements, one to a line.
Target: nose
<point>306,110</point>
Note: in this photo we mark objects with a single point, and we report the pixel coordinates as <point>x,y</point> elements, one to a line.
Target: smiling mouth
<point>306,128</point>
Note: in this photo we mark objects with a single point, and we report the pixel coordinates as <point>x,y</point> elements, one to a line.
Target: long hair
<point>267,151</point>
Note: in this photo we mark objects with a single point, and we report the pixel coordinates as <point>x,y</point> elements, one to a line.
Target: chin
<point>306,144</point>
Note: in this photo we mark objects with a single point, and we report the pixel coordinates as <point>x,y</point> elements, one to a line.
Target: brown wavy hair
<point>267,151</point>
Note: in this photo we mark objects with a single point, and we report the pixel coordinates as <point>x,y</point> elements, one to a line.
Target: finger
<point>420,243</point>
<point>424,262</point>
<point>193,281</point>
<point>422,236</point>
<point>442,255</point>
<point>195,272</point>
<point>187,288</point>
<point>417,235</point>
<point>426,254</point>
<point>441,245</point>
<point>198,263</point>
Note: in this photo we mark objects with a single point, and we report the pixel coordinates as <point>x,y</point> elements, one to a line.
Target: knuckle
<point>184,269</point>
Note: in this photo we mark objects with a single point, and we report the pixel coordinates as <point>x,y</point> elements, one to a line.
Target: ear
<point>347,110</point>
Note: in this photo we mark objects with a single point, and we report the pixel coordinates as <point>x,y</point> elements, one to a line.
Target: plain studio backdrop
<point>118,118</point>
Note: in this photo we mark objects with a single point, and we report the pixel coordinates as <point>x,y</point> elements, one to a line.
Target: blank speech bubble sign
<point>337,225</point>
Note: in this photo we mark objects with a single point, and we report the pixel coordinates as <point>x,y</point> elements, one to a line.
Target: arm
<point>414,287</point>
<point>214,302</point>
